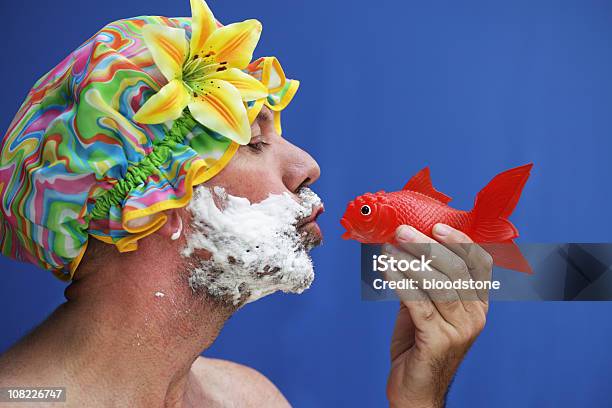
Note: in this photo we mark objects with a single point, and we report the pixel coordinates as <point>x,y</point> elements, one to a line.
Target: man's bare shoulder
<point>224,383</point>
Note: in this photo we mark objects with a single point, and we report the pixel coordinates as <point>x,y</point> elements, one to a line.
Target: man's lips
<point>310,226</point>
<point>318,210</point>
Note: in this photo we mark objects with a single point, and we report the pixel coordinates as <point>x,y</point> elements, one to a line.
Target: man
<point>143,147</point>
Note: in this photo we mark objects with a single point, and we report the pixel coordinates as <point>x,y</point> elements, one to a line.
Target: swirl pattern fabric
<point>74,138</point>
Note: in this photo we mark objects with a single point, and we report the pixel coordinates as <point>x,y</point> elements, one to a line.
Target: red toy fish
<point>373,218</point>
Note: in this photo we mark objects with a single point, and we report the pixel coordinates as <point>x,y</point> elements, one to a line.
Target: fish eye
<point>366,210</point>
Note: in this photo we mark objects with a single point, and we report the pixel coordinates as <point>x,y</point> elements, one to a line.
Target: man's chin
<point>246,264</point>
<point>311,235</point>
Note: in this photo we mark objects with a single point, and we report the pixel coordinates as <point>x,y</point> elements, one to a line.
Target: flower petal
<point>167,104</point>
<point>168,46</point>
<point>250,89</point>
<point>203,24</point>
<point>233,43</point>
<point>219,107</point>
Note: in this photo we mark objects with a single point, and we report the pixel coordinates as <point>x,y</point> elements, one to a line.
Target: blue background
<point>470,88</point>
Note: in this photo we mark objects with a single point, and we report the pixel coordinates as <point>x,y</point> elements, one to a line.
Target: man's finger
<point>419,276</point>
<point>403,337</point>
<point>477,260</point>
<point>446,300</point>
<point>424,314</point>
<point>443,259</point>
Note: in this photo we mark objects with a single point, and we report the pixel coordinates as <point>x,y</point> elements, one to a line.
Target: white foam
<point>177,234</point>
<point>255,249</point>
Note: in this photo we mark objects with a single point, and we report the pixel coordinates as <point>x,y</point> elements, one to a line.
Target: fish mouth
<point>346,224</point>
<point>351,233</point>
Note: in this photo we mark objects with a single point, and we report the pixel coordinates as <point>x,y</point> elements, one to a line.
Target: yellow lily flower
<point>205,74</point>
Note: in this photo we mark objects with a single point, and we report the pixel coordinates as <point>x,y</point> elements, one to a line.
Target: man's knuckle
<point>457,338</point>
<point>473,328</point>
<point>460,337</point>
<point>461,237</point>
<point>465,341</point>
<point>428,314</point>
<point>480,320</point>
<point>426,249</point>
<point>486,260</point>
<point>458,266</point>
<point>453,303</point>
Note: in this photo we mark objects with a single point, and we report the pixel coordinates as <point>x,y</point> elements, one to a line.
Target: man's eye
<point>257,146</point>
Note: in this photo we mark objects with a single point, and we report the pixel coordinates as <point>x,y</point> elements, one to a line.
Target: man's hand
<point>435,329</point>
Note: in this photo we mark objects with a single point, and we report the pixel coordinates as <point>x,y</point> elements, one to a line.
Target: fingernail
<point>405,234</point>
<point>441,230</point>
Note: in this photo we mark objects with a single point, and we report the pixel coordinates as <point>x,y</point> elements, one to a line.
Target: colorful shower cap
<point>124,127</point>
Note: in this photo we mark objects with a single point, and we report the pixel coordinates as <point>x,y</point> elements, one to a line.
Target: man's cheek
<point>253,176</point>
<point>255,186</point>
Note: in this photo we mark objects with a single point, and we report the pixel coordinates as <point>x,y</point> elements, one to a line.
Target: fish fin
<point>421,183</point>
<point>495,203</point>
<point>508,255</point>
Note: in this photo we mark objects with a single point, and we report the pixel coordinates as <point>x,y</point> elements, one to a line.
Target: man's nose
<point>300,169</point>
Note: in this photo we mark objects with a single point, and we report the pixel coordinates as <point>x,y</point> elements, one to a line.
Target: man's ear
<point>173,228</point>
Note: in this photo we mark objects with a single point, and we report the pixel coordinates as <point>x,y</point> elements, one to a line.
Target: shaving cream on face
<point>256,249</point>
<point>177,234</point>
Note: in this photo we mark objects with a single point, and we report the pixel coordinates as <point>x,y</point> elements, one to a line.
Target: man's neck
<point>129,340</point>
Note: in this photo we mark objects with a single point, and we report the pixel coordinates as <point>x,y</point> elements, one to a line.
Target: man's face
<point>269,164</point>
<point>255,220</point>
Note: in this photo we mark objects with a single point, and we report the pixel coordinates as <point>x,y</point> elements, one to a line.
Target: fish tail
<point>508,255</point>
<point>492,207</point>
